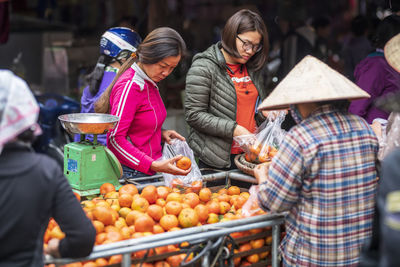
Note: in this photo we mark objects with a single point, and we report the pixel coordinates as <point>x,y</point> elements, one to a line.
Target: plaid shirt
<point>324,175</point>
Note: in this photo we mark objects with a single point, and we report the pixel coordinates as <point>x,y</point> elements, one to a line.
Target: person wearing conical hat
<point>387,232</point>
<point>324,173</point>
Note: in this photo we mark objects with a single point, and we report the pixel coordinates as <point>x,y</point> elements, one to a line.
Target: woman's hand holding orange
<point>168,166</point>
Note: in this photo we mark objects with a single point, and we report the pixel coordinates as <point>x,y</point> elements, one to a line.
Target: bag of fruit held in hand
<point>178,147</point>
<point>262,146</point>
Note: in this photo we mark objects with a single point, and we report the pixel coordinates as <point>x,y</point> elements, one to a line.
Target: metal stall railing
<point>191,235</point>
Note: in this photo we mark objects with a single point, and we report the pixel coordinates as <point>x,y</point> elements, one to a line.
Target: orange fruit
<point>177,183</point>
<point>224,207</point>
<point>257,243</point>
<point>192,199</point>
<point>213,206</point>
<point>128,189</point>
<point>175,260</point>
<point>202,212</point>
<point>124,211</point>
<point>115,259</point>
<point>188,218</point>
<point>174,197</point>
<point>155,212</point>
<point>168,222</point>
<point>100,238</point>
<point>126,232</point>
<point>224,197</point>
<point>114,236</point>
<point>161,202</point>
<point>157,229</point>
<point>144,223</point>
<point>196,186</point>
<point>132,216</point>
<point>163,191</point>
<point>253,258</point>
<point>125,200</point>
<point>173,207</point>
<point>103,215</point>
<point>184,163</point>
<point>101,262</point>
<point>233,190</point>
<point>162,264</point>
<point>150,194</point>
<point>57,233</point>
<point>205,194</point>
<point>106,187</point>
<point>99,226</point>
<point>223,191</point>
<point>212,218</point>
<point>140,204</point>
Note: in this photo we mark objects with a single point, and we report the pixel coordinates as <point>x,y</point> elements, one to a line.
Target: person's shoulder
<point>129,80</point>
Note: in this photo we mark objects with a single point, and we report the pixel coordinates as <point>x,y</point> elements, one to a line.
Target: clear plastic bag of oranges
<point>251,207</point>
<point>264,144</point>
<point>178,147</point>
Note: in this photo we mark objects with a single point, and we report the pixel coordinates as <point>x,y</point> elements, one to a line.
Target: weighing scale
<point>87,164</point>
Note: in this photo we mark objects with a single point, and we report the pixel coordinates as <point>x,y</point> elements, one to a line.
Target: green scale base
<point>87,166</point>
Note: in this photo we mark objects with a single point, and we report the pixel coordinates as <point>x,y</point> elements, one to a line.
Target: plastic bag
<point>251,207</point>
<point>178,147</point>
<point>263,145</point>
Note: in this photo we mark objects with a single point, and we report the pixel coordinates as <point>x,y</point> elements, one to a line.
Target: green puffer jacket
<point>210,106</point>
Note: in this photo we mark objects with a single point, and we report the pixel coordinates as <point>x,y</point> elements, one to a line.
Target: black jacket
<point>33,189</point>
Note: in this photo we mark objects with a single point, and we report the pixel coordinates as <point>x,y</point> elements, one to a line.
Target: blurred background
<point>53,44</point>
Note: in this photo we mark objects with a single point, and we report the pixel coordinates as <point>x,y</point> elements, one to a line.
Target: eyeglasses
<point>247,46</point>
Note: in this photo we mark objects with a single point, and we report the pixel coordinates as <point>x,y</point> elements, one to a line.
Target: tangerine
<point>162,264</point>
<point>202,212</point>
<point>103,215</point>
<point>163,191</point>
<point>192,199</point>
<point>196,186</point>
<point>233,190</point>
<point>125,200</point>
<point>155,212</point>
<point>144,224</point>
<point>174,197</point>
<point>99,226</point>
<point>205,194</point>
<point>140,204</point>
<point>173,207</point>
<point>106,187</point>
<point>168,222</point>
<point>188,218</point>
<point>184,163</point>
<point>101,262</point>
<point>150,194</point>
<point>128,189</point>
<point>114,236</point>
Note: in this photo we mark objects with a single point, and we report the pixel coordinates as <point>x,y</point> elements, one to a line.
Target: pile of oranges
<point>128,214</point>
<point>259,154</point>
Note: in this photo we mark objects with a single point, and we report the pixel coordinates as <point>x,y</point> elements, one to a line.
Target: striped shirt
<point>324,174</point>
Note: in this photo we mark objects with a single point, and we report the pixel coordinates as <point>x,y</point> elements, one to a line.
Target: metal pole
<point>274,247</point>
<point>126,260</point>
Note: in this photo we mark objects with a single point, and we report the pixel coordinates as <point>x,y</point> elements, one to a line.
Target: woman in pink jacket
<point>134,97</point>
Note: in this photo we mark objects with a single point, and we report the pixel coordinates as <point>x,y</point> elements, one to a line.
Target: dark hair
<point>342,104</point>
<point>241,22</point>
<point>359,25</point>
<point>159,44</point>
<point>94,78</point>
<point>387,28</point>
<point>321,22</point>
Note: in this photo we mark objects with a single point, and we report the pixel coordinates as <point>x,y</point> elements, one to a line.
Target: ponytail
<point>95,77</point>
<point>102,105</point>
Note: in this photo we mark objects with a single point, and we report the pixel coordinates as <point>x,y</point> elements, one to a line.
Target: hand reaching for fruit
<point>171,166</point>
<point>261,173</point>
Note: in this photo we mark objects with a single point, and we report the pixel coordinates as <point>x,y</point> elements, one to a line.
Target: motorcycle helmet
<point>119,42</point>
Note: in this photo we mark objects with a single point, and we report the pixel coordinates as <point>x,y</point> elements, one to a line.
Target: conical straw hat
<point>392,52</point>
<point>311,81</point>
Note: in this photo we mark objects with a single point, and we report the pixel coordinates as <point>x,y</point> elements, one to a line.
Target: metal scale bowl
<point>87,164</point>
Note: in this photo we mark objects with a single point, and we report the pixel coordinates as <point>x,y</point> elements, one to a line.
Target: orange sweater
<point>246,97</point>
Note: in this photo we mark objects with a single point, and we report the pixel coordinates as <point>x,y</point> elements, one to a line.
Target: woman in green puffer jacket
<point>223,88</point>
